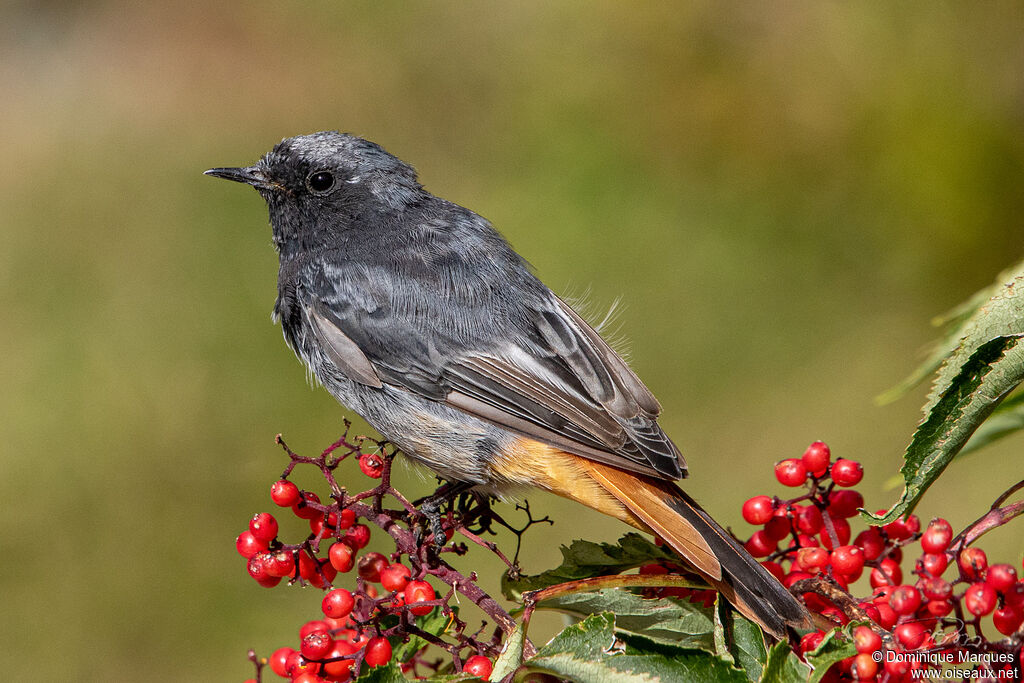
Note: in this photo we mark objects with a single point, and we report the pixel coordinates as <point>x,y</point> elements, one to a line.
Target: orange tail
<point>715,554</point>
<point>659,506</point>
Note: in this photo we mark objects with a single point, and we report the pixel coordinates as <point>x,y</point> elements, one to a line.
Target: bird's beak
<point>252,175</point>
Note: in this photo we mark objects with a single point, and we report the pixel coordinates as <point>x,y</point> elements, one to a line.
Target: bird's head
<point>324,185</point>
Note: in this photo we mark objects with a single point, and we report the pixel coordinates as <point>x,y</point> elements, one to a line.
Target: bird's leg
<point>430,508</point>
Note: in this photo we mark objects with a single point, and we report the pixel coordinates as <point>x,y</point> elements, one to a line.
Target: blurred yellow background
<point>783,195</point>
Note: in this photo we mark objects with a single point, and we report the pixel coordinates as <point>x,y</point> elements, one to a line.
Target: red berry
<point>1015,596</point>
<point>847,472</point>
<point>778,527</point>
<point>936,589</point>
<point>882,593</point>
<point>316,645</point>
<point>811,641</point>
<point>478,666</point>
<point>910,635</point>
<point>372,465</point>
<point>758,510</point>
<point>864,667</point>
<point>311,570</point>
<point>816,458</point>
<point>844,503</point>
<point>1007,619</point>
<point>866,640</point>
<point>343,521</point>
<point>790,472</point>
<point>302,508</point>
<point>934,563</point>
<point>886,615</point>
<point>902,529</point>
<point>339,670</point>
<point>937,536</point>
<point>1002,577</point>
<point>248,545</point>
<point>338,603</point>
<point>358,536</point>
<point>804,541</point>
<point>842,529</point>
<point>811,560</point>
<point>898,668</point>
<point>973,563</point>
<point>938,608</point>
<point>871,542</point>
<point>905,600</point>
<point>280,563</point>
<point>341,556</point>
<point>279,659</point>
<point>301,669</point>
<point>257,567</point>
<point>871,610</point>
<point>314,626</point>
<point>378,651</point>
<point>793,577</point>
<point>848,560</point>
<point>980,598</point>
<point>833,613</point>
<point>417,592</point>
<point>809,520</point>
<point>394,577</point>
<point>284,493</point>
<point>887,573</point>
<point>328,571</point>
<point>760,544</point>
<point>370,566</point>
<point>319,527</point>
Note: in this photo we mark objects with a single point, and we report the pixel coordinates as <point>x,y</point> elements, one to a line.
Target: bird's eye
<point>321,181</point>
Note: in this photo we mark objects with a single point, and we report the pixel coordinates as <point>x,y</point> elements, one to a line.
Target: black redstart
<point>415,313</point>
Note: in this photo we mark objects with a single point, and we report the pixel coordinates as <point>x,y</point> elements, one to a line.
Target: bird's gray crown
<point>292,160</point>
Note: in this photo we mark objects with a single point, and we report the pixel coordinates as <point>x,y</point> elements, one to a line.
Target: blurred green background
<point>783,195</point>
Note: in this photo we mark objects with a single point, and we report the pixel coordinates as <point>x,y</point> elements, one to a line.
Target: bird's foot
<point>431,506</point>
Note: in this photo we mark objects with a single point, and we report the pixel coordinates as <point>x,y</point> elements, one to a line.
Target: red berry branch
<point>362,627</point>
<point>911,623</point>
<point>917,625</point>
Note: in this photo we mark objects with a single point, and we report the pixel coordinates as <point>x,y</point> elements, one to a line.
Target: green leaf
<point>742,638</point>
<point>955,323</point>
<point>666,620</point>
<point>1001,316</point>
<point>721,613</point>
<point>511,656</point>
<point>1007,418</point>
<point>994,369</point>
<point>783,666</point>
<point>382,674</point>
<point>588,652</point>
<point>584,559</point>
<point>833,648</point>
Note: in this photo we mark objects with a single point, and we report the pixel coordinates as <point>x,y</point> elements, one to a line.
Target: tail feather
<point>711,550</point>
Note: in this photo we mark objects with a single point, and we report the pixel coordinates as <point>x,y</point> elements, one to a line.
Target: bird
<point>416,314</point>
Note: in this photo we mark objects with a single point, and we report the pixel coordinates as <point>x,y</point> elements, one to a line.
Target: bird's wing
<point>553,378</point>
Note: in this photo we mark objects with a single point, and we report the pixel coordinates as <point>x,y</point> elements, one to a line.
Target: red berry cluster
<point>329,647</point>
<point>358,627</point>
<point>805,542</point>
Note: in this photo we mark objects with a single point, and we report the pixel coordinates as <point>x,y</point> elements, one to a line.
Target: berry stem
<point>995,517</point>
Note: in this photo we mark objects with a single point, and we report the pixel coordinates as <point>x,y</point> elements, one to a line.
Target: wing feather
<point>553,378</point>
